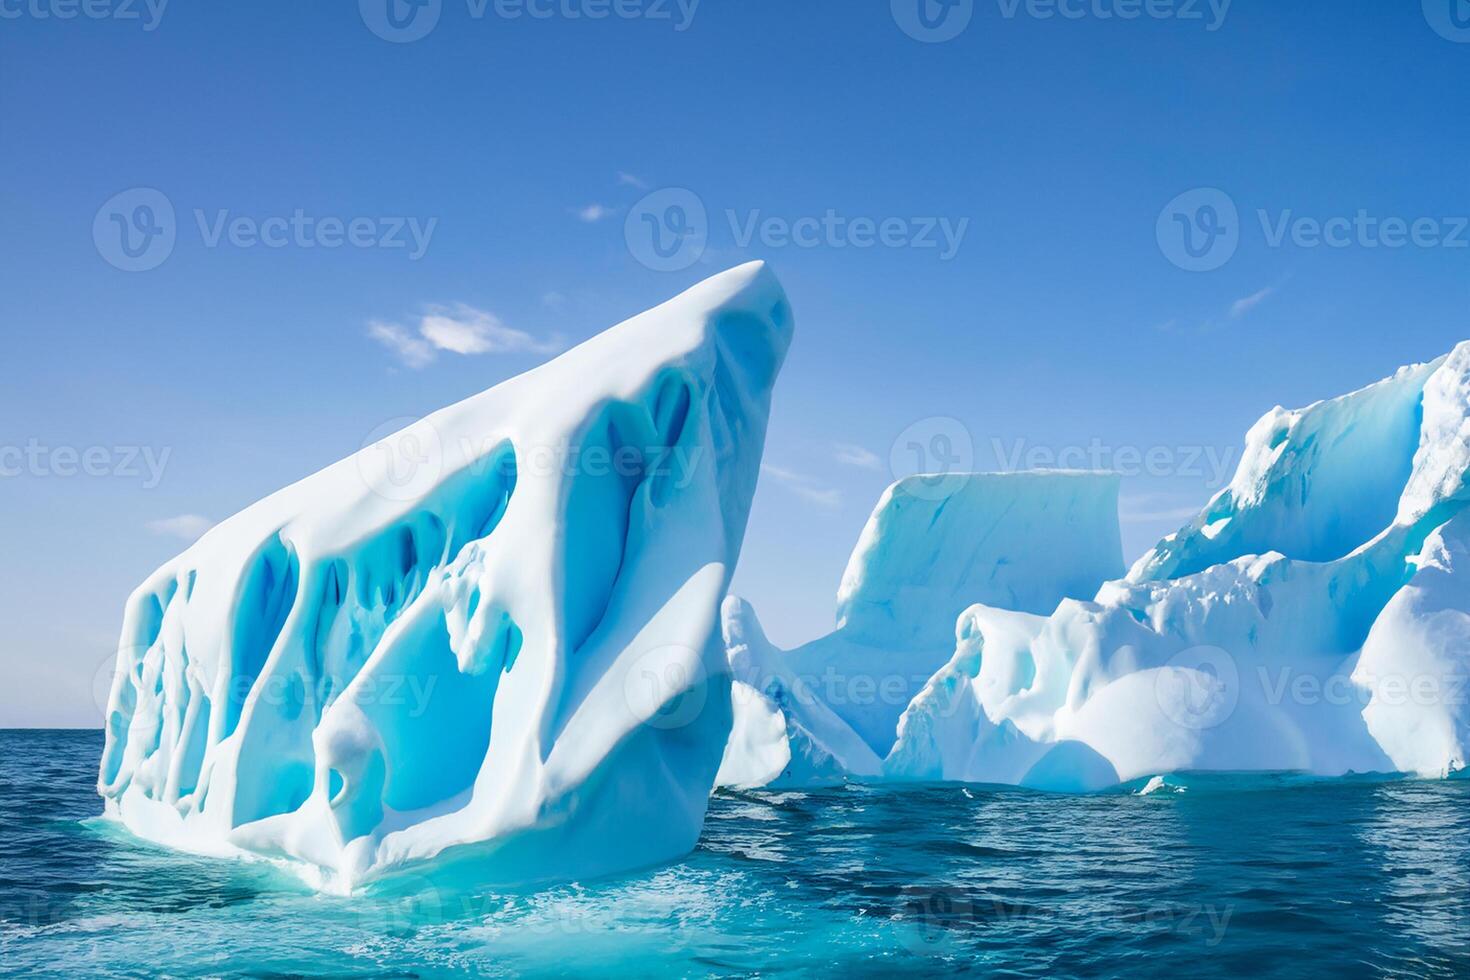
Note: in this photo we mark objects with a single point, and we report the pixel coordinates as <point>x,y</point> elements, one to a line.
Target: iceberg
<point>488,643</point>
<point>1263,635</point>
<point>934,544</point>
<point>1314,617</point>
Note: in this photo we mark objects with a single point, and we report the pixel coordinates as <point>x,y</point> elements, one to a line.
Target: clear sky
<point>983,224</point>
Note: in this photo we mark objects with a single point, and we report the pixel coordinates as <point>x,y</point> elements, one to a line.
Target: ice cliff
<point>933,546</point>
<point>490,639</point>
<point>1315,617</point>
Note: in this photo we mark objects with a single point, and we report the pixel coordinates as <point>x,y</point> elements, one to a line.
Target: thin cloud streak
<point>806,487</point>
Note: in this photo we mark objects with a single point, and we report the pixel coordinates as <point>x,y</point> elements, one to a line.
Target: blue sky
<point>1061,146</point>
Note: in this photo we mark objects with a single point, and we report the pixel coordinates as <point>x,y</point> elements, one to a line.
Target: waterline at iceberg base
<point>515,661</point>
<point>1214,876</point>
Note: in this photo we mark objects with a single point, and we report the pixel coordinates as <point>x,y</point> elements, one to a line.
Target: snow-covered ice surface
<point>476,641</point>
<point>1310,619</point>
<point>934,545</point>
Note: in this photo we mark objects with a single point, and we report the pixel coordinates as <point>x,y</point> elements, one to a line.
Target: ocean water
<point>1217,876</point>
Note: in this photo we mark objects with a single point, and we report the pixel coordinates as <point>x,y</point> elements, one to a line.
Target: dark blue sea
<point>1212,876</point>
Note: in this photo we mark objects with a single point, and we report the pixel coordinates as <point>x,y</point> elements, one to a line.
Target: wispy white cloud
<point>465,330</point>
<point>1236,311</point>
<point>628,180</point>
<point>593,213</point>
<point>457,329</point>
<point>804,486</point>
<point>852,455</point>
<point>554,300</point>
<point>1245,304</point>
<point>186,526</point>
<point>412,350</point>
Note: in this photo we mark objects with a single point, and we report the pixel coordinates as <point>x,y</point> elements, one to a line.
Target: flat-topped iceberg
<point>478,640</point>
<point>934,544</point>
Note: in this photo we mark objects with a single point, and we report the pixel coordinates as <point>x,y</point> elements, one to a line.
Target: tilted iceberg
<point>504,656</point>
<point>1314,617</point>
<point>933,545</point>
